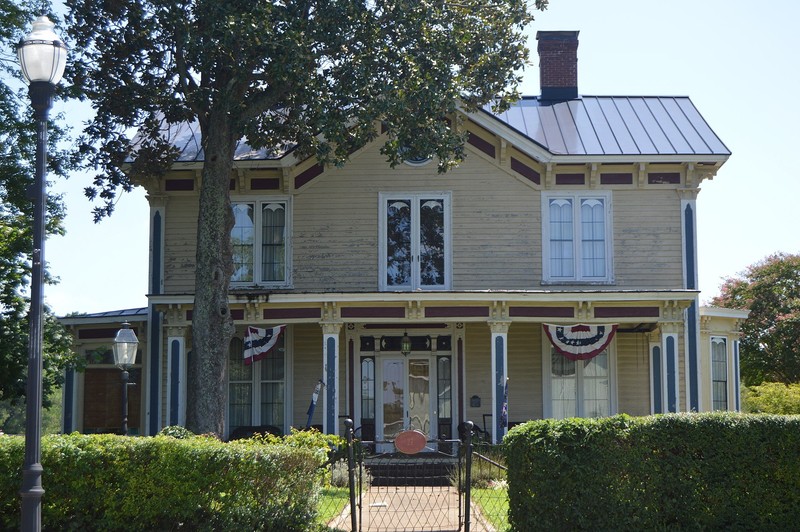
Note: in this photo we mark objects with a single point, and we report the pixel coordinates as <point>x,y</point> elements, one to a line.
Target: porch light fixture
<point>42,58</point>
<point>405,344</point>
<point>125,346</point>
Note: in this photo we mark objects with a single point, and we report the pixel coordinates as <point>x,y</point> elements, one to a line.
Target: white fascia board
<point>719,312</point>
<point>539,296</point>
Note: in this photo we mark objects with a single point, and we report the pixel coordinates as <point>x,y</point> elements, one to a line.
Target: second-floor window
<point>576,235</point>
<point>260,239</point>
<point>415,241</point>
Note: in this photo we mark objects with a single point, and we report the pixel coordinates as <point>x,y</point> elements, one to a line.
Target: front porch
<point>479,356</point>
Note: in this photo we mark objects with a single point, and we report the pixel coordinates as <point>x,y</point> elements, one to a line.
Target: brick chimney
<point>558,64</point>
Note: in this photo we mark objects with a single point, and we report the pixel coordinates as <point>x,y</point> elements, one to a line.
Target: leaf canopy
<point>770,346</point>
<point>17,155</point>
<point>315,76</point>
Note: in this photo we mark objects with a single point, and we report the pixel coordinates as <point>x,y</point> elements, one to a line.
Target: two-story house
<point>552,274</point>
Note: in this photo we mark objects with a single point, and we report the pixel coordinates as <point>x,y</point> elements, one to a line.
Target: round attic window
<point>414,161</point>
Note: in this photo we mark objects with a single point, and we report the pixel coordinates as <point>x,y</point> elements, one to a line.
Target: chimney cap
<point>545,35</point>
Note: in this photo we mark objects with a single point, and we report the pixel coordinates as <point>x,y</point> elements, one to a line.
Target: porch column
<point>176,372</point>
<point>68,401</point>
<point>737,392</point>
<point>656,373</point>
<point>330,372</point>
<point>669,368</point>
<point>499,378</point>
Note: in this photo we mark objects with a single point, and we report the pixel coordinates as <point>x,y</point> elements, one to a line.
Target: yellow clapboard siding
<point>633,374</point>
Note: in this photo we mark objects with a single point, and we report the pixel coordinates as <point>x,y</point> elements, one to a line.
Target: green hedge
<point>682,471</point>
<point>108,482</point>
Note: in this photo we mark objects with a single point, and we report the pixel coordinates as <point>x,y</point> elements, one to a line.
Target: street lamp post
<point>42,56</point>
<point>125,346</point>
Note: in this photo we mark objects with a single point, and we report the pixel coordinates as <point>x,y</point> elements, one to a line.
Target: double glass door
<point>405,393</point>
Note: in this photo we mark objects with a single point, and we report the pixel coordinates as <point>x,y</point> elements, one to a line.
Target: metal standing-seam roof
<point>588,125</point>
<point>614,125</point>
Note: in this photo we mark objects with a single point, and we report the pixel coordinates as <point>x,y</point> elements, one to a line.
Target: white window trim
<point>728,371</point>
<point>288,394</point>
<point>258,202</point>
<point>547,399</point>
<point>382,243</point>
<point>576,197</point>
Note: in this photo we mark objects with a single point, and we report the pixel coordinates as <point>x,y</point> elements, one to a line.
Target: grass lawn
<point>493,504</point>
<point>332,503</point>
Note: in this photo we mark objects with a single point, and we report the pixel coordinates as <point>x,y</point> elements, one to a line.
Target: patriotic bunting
<point>259,342</point>
<point>580,342</point>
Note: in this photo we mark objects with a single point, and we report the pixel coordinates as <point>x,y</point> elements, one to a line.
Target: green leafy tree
<point>772,398</point>
<point>320,77</point>
<point>17,156</point>
<point>770,347</point>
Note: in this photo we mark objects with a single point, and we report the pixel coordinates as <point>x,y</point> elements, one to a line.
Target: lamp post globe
<point>125,347</point>
<point>42,56</point>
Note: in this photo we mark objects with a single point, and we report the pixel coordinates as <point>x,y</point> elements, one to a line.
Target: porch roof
<point>639,310</point>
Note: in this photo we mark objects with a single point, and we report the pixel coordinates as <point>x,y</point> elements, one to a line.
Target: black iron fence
<point>446,486</point>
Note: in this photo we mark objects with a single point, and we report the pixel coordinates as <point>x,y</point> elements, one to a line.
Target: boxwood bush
<point>109,482</point>
<point>677,471</point>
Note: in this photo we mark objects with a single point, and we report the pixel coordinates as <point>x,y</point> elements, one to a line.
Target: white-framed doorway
<point>394,392</point>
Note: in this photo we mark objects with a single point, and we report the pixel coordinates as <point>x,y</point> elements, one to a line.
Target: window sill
<point>578,282</point>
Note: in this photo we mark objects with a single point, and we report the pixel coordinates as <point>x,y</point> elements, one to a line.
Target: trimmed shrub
<point>681,471</point>
<point>109,482</point>
<point>772,398</point>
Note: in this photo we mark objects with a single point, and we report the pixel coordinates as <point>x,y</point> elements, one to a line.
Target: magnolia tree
<point>317,76</point>
<point>770,347</point>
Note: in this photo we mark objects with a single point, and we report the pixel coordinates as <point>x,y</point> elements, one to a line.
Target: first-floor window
<point>579,388</point>
<point>719,373</point>
<point>256,392</point>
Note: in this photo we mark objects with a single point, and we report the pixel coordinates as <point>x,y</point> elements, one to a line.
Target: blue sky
<point>737,62</point>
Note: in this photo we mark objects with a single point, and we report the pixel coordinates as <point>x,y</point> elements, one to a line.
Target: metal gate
<point>428,490</point>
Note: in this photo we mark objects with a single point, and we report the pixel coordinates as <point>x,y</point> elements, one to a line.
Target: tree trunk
<point>212,325</point>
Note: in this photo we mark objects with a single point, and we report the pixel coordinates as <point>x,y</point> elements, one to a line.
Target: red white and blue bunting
<point>259,342</point>
<point>580,342</point>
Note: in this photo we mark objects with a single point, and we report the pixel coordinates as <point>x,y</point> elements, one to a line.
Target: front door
<point>406,396</point>
<point>394,393</point>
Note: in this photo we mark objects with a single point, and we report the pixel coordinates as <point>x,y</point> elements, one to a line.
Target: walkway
<point>411,509</point>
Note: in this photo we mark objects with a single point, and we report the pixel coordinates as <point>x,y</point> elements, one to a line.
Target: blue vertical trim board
<point>155,264</point>
<point>174,381</point>
<point>330,386</point>
<point>154,365</point>
<point>658,408</point>
<point>691,284</point>
<point>672,367</point>
<point>69,406</point>
<point>694,380</point>
<point>499,384</point>
<point>737,393</point>
<point>155,329</point>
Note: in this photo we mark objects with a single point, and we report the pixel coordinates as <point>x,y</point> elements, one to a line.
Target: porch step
<point>424,469</point>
